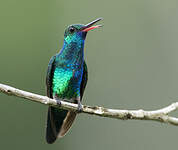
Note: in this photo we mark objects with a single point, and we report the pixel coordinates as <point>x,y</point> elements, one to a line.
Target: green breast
<point>63,85</point>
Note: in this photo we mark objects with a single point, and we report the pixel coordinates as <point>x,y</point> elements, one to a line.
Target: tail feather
<point>67,123</point>
<point>58,123</point>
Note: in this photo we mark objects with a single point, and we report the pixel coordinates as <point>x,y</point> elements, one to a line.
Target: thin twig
<point>161,115</point>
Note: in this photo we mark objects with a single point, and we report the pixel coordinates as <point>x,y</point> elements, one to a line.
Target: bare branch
<point>160,115</point>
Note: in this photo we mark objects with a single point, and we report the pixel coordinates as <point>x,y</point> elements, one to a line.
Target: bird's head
<point>78,32</point>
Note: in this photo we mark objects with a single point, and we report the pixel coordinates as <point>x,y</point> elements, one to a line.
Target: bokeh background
<point>132,62</point>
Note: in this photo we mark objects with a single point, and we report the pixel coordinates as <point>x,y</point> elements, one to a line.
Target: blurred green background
<point>132,62</point>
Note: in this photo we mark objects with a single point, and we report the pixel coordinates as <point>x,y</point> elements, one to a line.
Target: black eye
<point>71,29</point>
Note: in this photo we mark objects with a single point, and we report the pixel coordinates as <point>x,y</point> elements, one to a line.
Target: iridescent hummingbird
<point>66,79</point>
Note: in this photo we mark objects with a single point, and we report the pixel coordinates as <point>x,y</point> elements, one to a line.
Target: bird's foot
<point>58,100</point>
<point>80,108</point>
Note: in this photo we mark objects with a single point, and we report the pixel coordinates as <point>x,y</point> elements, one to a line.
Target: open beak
<point>90,26</point>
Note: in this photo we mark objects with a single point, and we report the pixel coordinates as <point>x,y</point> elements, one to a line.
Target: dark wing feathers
<point>84,80</point>
<point>49,76</point>
<point>51,131</point>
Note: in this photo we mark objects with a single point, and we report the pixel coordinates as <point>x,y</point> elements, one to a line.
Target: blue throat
<point>72,52</point>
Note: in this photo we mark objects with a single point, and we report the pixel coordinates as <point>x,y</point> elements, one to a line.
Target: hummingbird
<point>66,79</point>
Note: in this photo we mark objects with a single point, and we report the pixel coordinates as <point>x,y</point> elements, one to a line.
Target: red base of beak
<point>91,28</point>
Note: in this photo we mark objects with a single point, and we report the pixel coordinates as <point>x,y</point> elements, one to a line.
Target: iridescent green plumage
<point>66,79</point>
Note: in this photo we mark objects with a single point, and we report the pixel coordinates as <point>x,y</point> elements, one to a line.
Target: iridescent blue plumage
<point>69,66</point>
<point>66,79</point>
